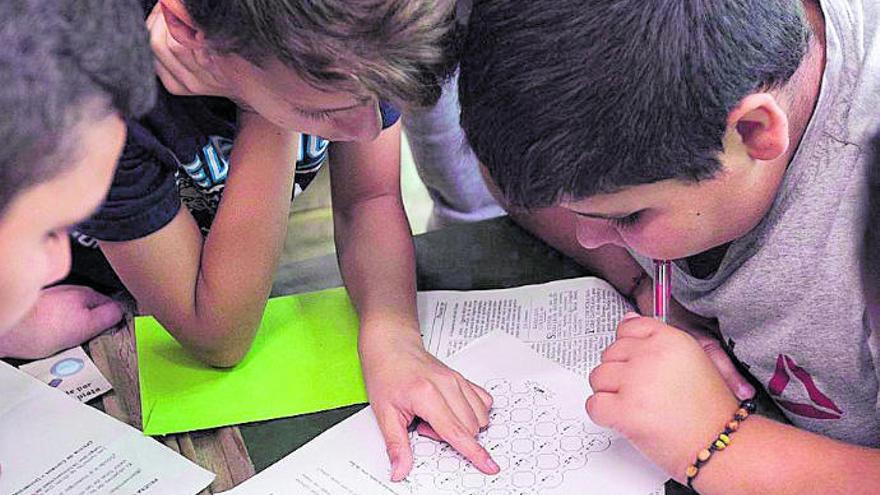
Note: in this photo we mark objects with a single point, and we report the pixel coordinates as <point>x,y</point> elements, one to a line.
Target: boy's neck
<point>806,84</point>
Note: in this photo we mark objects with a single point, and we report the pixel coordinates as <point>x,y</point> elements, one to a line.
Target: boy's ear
<point>763,126</point>
<point>180,24</point>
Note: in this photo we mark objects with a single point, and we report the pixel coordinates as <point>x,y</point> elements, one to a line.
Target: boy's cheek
<point>672,236</point>
<point>21,293</point>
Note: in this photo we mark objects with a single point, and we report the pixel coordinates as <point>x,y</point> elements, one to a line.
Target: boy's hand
<point>405,382</point>
<point>658,388</point>
<point>702,330</point>
<point>63,317</point>
<point>183,71</point>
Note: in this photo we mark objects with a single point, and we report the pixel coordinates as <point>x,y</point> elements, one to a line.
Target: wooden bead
<point>742,414</point>
<point>750,406</point>
<point>704,455</point>
<point>733,425</point>
<point>691,471</point>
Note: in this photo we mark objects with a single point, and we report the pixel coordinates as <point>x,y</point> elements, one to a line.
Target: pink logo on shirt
<point>822,407</point>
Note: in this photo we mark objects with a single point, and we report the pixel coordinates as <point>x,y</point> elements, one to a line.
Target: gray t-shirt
<point>787,295</point>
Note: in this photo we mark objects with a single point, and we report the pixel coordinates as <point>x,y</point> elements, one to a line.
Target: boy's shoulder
<point>851,85</point>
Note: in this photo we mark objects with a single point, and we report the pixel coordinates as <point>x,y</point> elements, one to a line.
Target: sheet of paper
<point>540,435</point>
<point>567,321</point>
<point>304,359</point>
<point>72,372</point>
<point>51,444</point>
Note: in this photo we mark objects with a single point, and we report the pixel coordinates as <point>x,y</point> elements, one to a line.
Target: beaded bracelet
<point>746,408</point>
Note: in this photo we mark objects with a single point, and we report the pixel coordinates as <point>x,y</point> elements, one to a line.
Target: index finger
<point>394,427</point>
<point>450,429</point>
<point>638,328</point>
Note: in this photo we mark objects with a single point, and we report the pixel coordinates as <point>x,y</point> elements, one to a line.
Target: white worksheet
<point>567,321</point>
<point>540,435</point>
<point>51,444</point>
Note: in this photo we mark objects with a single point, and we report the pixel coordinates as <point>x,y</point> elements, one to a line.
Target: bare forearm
<point>556,227</point>
<point>769,457</point>
<point>377,260</point>
<point>210,293</point>
<point>373,238</point>
<point>241,252</point>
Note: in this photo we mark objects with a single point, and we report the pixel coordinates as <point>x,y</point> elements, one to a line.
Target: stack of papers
<point>50,444</point>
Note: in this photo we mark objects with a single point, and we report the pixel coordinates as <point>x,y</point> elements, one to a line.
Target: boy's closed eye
<point>626,222</point>
<point>317,116</point>
<point>619,221</point>
<point>320,114</point>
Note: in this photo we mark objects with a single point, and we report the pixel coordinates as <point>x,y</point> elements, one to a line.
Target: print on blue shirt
<point>211,164</point>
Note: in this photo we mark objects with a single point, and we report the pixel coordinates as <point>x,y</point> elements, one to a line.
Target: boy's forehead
<point>82,184</point>
<point>610,204</point>
<point>629,199</point>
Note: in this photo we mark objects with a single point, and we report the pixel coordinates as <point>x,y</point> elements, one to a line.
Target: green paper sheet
<point>304,359</point>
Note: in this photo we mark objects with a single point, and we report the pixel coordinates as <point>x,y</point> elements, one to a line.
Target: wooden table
<point>485,255</point>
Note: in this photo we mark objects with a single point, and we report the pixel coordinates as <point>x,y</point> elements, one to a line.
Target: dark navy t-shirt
<point>179,154</point>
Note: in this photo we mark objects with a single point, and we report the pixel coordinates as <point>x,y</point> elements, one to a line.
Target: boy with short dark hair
<point>197,215</point>
<point>70,71</point>
<point>728,135</point>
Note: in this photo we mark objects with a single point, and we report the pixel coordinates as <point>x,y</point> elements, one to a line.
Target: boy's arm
<point>769,457</point>
<point>210,293</point>
<point>377,260</point>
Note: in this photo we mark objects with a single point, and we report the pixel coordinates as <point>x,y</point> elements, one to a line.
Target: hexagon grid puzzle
<point>539,434</point>
<point>532,442</point>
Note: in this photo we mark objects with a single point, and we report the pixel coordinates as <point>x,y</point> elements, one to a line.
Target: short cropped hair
<point>573,98</point>
<point>400,50</point>
<point>61,61</point>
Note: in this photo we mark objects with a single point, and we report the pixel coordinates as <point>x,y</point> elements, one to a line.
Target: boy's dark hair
<point>400,50</point>
<point>60,62</point>
<point>573,98</point>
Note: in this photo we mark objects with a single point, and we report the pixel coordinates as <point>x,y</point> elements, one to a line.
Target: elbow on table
<point>224,348</point>
<point>222,359</point>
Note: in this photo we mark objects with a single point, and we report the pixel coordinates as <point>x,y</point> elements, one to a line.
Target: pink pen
<point>662,289</point>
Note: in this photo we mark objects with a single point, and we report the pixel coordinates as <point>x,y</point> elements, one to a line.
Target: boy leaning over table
<point>255,98</point>
<point>68,79</point>
<point>733,137</point>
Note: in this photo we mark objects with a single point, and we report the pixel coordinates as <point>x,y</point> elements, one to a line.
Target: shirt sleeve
<point>390,115</point>
<point>143,197</point>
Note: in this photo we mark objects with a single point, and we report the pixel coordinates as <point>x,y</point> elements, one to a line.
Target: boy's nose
<point>364,124</point>
<point>593,234</point>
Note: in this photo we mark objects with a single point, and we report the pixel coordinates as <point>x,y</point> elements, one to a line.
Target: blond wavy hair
<point>399,50</point>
